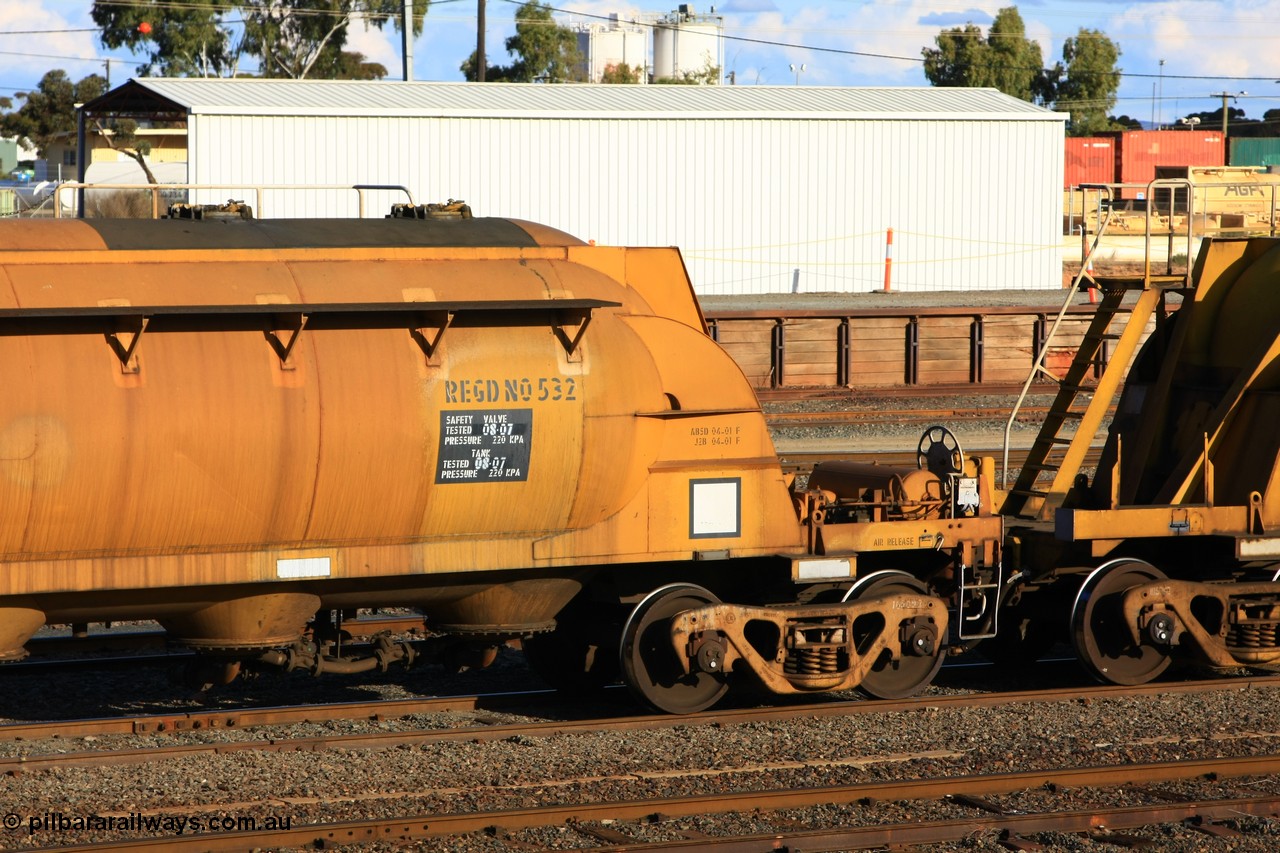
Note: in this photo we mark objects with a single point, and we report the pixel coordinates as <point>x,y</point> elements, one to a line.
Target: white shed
<point>765,189</point>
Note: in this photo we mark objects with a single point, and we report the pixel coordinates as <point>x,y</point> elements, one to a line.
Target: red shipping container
<point>1138,152</point>
<point>1089,160</point>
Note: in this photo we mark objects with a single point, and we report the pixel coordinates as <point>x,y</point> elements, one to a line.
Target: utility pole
<point>1224,96</point>
<point>480,60</point>
<point>406,36</point>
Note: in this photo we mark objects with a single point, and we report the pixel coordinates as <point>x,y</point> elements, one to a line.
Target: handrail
<point>1038,366</point>
<point>258,189</point>
<point>1172,184</point>
<point>1106,198</point>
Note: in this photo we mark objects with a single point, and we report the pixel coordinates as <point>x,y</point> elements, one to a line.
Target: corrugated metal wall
<point>1089,160</point>
<point>1139,152</point>
<point>1255,151</point>
<point>756,206</point>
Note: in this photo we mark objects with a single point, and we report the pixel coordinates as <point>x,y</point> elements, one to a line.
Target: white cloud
<point>1206,39</point>
<point>377,45</point>
<point>38,36</point>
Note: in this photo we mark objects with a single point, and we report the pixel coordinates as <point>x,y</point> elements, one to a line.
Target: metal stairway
<point>1059,451</point>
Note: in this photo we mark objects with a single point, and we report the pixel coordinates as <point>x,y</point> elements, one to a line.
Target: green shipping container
<point>1255,151</point>
<point>8,157</point>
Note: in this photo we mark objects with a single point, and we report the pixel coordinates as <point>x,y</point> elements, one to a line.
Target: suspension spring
<point>1254,635</point>
<point>813,660</point>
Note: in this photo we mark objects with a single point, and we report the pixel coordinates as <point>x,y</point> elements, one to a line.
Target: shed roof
<point>222,96</point>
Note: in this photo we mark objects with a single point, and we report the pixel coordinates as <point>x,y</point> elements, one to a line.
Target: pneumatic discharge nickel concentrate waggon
<point>234,426</point>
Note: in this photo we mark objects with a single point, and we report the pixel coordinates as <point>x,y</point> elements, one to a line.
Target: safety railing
<point>258,190</point>
<point>1106,204</point>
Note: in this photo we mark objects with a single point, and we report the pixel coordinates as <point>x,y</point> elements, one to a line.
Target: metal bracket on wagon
<point>815,647</point>
<point>1230,625</point>
<point>283,323</point>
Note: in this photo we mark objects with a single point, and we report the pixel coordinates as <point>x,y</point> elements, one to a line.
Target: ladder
<point>1077,411</point>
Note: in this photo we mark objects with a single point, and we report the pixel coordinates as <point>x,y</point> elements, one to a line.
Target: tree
<point>707,75</point>
<point>1085,82</point>
<point>1016,61</point>
<point>1237,122</point>
<point>305,38</point>
<point>621,73</point>
<point>959,58</point>
<point>182,40</point>
<point>290,38</point>
<point>50,111</point>
<point>544,51</point>
<point>1006,60</point>
<point>121,136</point>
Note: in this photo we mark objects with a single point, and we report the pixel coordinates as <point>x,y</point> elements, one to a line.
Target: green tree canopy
<point>121,135</point>
<point>543,51</point>
<point>51,109</point>
<point>707,75</point>
<point>1006,59</point>
<point>1085,82</point>
<point>621,73</point>
<point>290,38</point>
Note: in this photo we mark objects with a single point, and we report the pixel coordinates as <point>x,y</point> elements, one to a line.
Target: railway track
<point>864,416</point>
<point>613,821</point>
<point>387,710</point>
<point>899,790</point>
<point>802,461</point>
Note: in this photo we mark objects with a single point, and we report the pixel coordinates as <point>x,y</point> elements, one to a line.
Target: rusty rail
<point>390,709</point>
<point>1010,828</point>
<point>428,826</point>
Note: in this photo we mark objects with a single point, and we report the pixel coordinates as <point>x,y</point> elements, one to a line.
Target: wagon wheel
<point>1102,640</point>
<point>649,663</point>
<point>920,661</point>
<point>939,453</point>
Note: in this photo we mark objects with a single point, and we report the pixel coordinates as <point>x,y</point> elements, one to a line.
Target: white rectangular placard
<point>715,508</point>
<point>303,567</point>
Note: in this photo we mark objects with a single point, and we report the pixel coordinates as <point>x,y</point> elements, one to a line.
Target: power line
<point>96,59</point>
<point>845,52</point>
<point>175,5</point>
<point>48,32</point>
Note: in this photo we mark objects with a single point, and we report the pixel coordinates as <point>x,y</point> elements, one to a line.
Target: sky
<point>1177,56</point>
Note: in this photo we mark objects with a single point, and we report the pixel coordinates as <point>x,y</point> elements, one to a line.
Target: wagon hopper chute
<point>1172,549</point>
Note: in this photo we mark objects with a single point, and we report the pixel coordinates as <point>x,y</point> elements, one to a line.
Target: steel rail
<point>942,831</point>
<point>802,461</point>
<point>967,390</point>
<point>426,826</point>
<point>388,709</point>
<point>877,416</point>
<point>242,718</point>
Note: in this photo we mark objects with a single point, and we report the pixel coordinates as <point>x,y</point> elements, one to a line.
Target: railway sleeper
<point>815,647</point>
